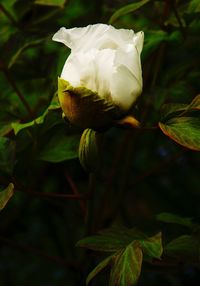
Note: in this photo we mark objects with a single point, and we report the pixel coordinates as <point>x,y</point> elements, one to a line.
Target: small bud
<point>89,150</point>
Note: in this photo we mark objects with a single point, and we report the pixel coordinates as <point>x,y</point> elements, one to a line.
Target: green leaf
<point>172,218</point>
<point>103,243</point>
<point>17,127</point>
<point>127,9</point>
<point>194,6</point>
<point>20,126</point>
<point>152,246</point>
<point>111,239</point>
<point>171,109</point>
<point>98,268</point>
<point>123,233</point>
<point>127,264</point>
<point>5,195</point>
<point>60,147</point>
<point>183,130</point>
<point>57,3</point>
<point>7,155</point>
<point>184,248</point>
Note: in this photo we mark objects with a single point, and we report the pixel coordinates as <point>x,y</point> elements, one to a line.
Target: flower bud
<point>102,77</point>
<point>89,150</point>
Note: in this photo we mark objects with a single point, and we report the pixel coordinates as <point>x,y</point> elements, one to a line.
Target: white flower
<point>104,60</point>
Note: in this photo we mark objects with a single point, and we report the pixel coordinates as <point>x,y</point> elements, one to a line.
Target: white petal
<point>92,70</point>
<point>125,88</point>
<point>100,36</point>
<point>138,41</point>
<point>130,60</point>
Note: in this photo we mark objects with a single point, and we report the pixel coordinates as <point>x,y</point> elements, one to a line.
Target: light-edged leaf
<point>127,9</point>
<point>152,247</point>
<point>183,130</point>
<point>5,195</point>
<point>127,265</point>
<point>98,268</point>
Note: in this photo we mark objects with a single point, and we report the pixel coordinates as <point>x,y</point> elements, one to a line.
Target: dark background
<point>143,172</point>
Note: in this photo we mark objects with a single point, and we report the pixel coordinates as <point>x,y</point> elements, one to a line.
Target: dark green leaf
<point>98,268</point>
<point>5,195</point>
<point>111,239</point>
<point>103,243</point>
<point>173,109</point>
<point>123,233</point>
<point>184,248</point>
<point>127,9</point>
<point>152,246</point>
<point>60,147</point>
<point>184,130</point>
<point>172,218</point>
<point>7,155</point>
<point>17,127</point>
<point>127,266</point>
<point>194,6</point>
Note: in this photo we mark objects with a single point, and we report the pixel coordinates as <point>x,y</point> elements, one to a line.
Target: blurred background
<point>143,172</point>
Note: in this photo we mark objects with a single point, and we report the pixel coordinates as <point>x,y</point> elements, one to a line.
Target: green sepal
<point>86,108</point>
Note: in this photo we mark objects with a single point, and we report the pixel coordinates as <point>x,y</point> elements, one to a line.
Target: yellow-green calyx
<point>85,108</point>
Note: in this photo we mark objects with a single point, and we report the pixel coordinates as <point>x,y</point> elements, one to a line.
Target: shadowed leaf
<point>60,147</point>
<point>184,248</point>
<point>7,155</point>
<point>5,195</point>
<point>172,218</point>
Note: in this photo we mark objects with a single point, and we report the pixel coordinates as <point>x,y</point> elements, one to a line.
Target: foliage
<point>137,212</point>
